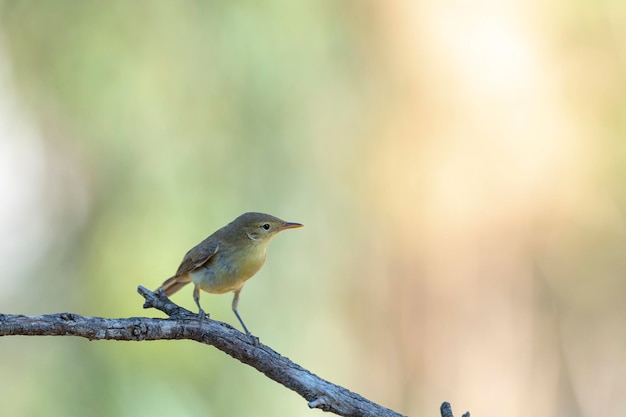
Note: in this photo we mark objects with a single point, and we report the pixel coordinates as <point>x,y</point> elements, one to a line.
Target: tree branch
<point>184,324</point>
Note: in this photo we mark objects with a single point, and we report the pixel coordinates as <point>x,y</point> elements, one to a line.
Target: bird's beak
<point>290,226</point>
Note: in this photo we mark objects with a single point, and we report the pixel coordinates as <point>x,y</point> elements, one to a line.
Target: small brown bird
<point>224,261</point>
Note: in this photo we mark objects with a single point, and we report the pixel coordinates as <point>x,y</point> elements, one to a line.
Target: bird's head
<point>261,227</point>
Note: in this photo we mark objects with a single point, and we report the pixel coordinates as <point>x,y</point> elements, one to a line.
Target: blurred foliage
<point>459,169</point>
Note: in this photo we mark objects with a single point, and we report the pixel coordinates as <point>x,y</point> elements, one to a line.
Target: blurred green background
<point>459,169</point>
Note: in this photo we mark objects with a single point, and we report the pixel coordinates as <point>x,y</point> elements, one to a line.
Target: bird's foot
<point>202,315</point>
<point>253,339</point>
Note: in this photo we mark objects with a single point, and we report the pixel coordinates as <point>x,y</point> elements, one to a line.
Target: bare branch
<point>183,324</point>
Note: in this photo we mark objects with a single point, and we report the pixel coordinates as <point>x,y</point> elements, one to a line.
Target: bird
<point>227,259</point>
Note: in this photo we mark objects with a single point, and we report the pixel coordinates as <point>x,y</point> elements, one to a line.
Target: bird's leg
<point>235,303</point>
<point>196,298</point>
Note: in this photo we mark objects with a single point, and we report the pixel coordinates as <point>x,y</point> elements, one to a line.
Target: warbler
<point>224,261</point>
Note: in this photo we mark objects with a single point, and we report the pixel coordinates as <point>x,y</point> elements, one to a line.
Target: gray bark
<point>184,324</point>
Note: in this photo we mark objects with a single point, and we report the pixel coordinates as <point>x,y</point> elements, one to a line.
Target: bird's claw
<point>202,315</point>
<point>254,339</point>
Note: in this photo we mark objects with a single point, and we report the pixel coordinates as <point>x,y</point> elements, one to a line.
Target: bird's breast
<point>248,262</point>
<point>230,269</point>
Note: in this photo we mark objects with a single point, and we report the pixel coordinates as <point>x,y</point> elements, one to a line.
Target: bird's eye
<point>266,226</point>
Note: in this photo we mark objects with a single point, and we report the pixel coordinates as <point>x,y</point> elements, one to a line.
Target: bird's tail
<point>171,285</point>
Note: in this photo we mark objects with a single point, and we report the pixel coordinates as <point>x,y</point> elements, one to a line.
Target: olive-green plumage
<point>224,261</point>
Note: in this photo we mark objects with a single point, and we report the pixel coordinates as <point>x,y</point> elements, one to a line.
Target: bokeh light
<point>458,167</point>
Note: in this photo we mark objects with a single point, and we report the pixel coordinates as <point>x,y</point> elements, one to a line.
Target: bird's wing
<point>199,255</point>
